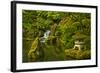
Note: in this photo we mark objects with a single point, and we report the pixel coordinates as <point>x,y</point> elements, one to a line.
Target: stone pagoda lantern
<point>79,41</point>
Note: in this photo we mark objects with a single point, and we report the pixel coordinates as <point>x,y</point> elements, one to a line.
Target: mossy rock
<point>72,54</point>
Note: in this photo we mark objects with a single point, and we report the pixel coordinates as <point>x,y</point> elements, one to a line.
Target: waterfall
<point>46,34</point>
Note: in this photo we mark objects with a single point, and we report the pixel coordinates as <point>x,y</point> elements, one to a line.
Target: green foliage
<point>65,28</point>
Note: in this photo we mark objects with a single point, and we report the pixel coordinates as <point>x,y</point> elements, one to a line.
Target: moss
<point>32,54</point>
<point>72,54</point>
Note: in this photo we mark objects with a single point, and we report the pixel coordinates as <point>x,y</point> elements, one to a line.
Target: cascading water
<point>46,34</point>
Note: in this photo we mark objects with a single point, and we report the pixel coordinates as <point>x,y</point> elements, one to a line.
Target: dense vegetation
<point>65,28</point>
